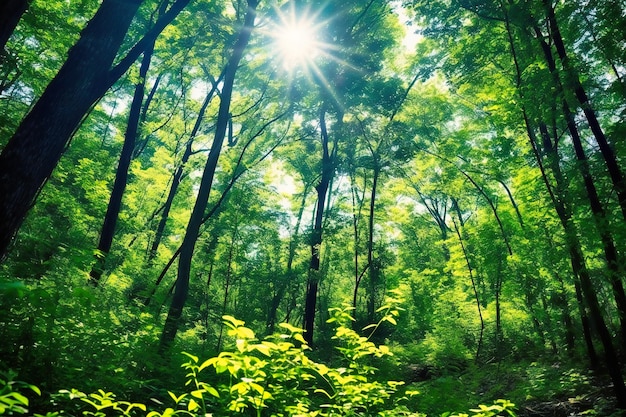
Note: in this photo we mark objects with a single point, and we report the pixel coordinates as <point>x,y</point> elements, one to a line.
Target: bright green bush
<point>275,377</point>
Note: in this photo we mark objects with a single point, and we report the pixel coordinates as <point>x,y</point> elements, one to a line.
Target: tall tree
<point>181,291</point>
<point>30,156</point>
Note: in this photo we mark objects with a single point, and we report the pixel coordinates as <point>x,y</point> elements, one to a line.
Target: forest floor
<point>538,390</point>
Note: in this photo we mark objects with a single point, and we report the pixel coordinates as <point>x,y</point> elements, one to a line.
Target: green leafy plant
<point>12,401</point>
<point>276,377</point>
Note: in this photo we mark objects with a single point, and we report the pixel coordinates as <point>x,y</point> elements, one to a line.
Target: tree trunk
<point>227,281</point>
<point>30,156</point>
<point>471,275</point>
<point>11,12</point>
<point>289,274</point>
<point>581,95</point>
<point>374,269</point>
<point>179,299</point>
<point>328,168</point>
<point>559,201</point>
<point>178,173</point>
<point>121,175</point>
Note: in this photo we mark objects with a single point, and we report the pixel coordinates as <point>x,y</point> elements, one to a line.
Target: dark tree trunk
<point>581,95</point>
<point>601,222</point>
<point>228,281</point>
<point>289,273</point>
<point>374,268</point>
<point>30,156</point>
<point>121,175</point>
<point>356,216</point>
<point>474,287</point>
<point>33,152</point>
<point>598,213</point>
<point>328,169</point>
<point>11,12</point>
<point>193,227</point>
<point>178,173</point>
<point>579,269</point>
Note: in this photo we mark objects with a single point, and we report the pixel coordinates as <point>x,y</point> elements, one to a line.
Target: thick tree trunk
<point>11,12</point>
<point>179,299</point>
<point>33,152</point>
<point>30,156</point>
<point>121,175</point>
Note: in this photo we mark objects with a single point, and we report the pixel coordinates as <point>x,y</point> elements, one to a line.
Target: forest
<point>312,208</point>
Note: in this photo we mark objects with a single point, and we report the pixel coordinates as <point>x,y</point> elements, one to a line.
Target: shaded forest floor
<point>538,390</point>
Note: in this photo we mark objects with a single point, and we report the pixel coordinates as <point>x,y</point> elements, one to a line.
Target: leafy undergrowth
<point>270,377</point>
<point>538,390</point>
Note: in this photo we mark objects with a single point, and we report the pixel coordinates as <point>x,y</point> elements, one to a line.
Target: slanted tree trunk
<point>475,288</point>
<point>121,176</point>
<point>559,200</point>
<point>178,173</point>
<point>181,291</point>
<point>606,149</point>
<point>11,12</point>
<point>597,209</point>
<point>30,156</point>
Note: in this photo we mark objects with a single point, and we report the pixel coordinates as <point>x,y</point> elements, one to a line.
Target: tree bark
<point>30,156</point>
<point>328,169</point>
<point>179,299</point>
<point>11,12</point>
<point>374,269</point>
<point>178,173</point>
<point>289,273</point>
<point>121,176</point>
<point>606,149</point>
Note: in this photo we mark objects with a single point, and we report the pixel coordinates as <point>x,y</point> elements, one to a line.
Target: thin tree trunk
<point>471,275</point>
<point>178,173</point>
<point>316,238</point>
<point>289,274</point>
<point>356,215</point>
<point>121,176</point>
<point>374,269</point>
<point>562,209</point>
<point>227,282</point>
<point>179,299</point>
<point>594,124</point>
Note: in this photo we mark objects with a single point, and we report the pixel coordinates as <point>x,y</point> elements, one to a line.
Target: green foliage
<point>270,377</point>
<point>12,401</point>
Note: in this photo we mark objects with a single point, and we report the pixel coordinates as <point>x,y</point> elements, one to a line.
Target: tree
<point>28,159</point>
<point>11,12</point>
<point>191,234</point>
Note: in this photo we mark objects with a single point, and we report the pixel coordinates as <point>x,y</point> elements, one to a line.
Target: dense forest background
<point>449,171</point>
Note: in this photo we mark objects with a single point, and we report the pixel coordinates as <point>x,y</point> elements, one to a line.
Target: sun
<point>297,43</point>
<point>295,39</point>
